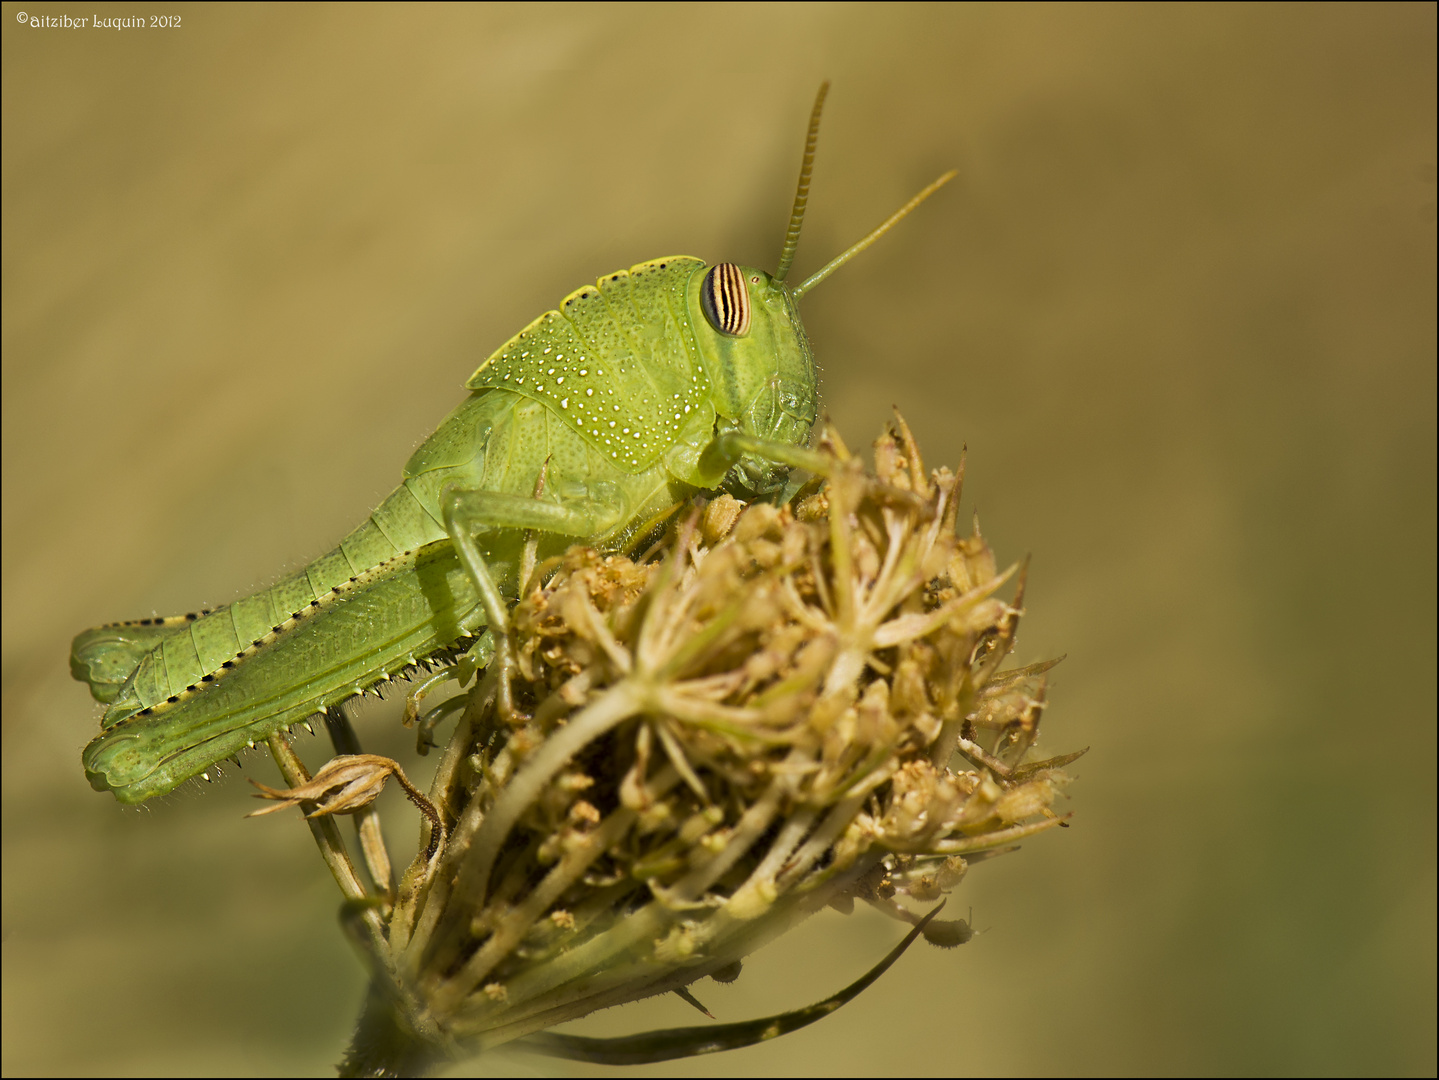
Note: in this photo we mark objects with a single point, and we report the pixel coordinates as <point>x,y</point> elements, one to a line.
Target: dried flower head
<point>790,707</point>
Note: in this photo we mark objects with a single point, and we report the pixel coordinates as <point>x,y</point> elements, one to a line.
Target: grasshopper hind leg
<point>104,657</point>
<point>476,658</point>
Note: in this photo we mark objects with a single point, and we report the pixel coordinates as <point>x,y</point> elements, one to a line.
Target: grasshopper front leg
<point>726,449</point>
<point>466,511</point>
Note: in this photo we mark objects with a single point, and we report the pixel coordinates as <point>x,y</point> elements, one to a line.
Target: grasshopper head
<point>759,363</point>
<point>753,345</point>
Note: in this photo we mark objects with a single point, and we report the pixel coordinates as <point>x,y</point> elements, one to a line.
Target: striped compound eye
<point>725,300</point>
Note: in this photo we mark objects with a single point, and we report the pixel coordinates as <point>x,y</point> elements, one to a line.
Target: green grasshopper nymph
<point>671,377</point>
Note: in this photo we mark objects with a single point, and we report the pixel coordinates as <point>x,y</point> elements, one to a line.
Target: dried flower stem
<point>327,838</point>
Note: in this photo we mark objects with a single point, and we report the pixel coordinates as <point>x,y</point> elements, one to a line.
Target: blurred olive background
<point>1179,304</point>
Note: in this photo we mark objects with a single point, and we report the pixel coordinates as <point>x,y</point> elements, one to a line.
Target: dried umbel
<point>784,708</point>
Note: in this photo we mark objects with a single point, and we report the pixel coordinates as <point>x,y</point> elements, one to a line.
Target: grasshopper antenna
<point>801,194</point>
<point>894,219</point>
